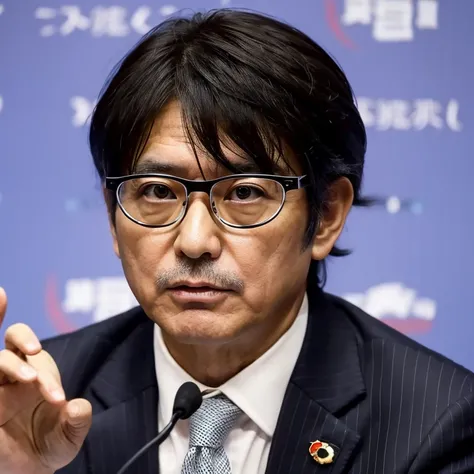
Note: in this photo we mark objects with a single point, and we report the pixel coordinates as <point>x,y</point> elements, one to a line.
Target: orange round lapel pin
<point>321,452</point>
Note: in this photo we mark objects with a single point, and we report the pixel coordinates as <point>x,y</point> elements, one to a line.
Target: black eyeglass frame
<point>288,183</point>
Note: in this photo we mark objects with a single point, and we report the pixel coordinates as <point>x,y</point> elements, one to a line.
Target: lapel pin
<point>321,452</point>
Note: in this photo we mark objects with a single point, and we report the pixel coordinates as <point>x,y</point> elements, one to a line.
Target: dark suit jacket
<point>388,404</point>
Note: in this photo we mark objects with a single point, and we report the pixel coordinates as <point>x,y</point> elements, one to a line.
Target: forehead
<point>169,150</point>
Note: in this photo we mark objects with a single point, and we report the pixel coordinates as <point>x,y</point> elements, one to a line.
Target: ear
<point>335,211</point>
<point>110,212</point>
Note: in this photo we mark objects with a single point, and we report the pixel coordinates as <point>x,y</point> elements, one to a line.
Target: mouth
<point>196,289</point>
<point>197,292</point>
<point>196,286</point>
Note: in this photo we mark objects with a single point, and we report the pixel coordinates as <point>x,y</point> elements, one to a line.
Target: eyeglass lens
<point>158,201</point>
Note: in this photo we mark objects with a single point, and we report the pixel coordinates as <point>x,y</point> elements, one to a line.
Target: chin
<point>200,326</point>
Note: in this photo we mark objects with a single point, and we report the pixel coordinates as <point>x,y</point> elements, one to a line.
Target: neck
<point>214,364</point>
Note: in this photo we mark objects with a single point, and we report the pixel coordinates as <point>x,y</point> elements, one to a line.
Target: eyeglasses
<point>239,200</point>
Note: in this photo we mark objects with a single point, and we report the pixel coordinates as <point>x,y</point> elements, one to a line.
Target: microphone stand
<point>187,400</point>
<point>158,440</point>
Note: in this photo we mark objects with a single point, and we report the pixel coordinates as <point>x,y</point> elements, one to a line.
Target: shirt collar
<point>258,390</point>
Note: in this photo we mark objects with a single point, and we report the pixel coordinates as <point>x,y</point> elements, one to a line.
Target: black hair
<point>255,80</point>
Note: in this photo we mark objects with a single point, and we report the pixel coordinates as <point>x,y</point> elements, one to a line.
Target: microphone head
<point>187,400</point>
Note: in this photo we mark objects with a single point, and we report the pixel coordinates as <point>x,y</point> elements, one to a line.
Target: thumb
<point>77,420</point>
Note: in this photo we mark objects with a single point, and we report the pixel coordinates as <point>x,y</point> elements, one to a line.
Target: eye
<point>245,193</point>
<point>159,191</point>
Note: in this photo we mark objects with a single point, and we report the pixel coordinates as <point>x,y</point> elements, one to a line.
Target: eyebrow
<point>153,166</point>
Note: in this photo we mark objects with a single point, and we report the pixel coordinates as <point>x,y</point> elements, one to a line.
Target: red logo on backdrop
<point>86,300</point>
<point>57,316</point>
<point>333,20</point>
<point>409,326</point>
<point>397,306</point>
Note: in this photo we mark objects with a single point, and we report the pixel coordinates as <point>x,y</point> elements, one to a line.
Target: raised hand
<point>40,431</point>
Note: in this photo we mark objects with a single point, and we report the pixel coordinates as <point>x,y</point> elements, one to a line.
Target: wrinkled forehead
<point>171,150</point>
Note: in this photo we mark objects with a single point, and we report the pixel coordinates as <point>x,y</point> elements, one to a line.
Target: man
<point>231,153</point>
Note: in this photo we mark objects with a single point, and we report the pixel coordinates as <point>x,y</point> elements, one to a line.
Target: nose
<point>198,232</point>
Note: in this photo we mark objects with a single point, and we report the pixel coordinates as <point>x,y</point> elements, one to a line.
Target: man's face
<point>263,270</point>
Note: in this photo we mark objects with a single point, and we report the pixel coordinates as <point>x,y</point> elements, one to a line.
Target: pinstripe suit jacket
<point>387,404</point>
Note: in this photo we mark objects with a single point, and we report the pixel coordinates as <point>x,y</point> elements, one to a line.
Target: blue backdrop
<point>410,63</point>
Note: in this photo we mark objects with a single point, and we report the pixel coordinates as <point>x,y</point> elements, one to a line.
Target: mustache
<point>202,269</point>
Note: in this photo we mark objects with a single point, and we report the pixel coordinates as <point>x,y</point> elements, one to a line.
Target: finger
<point>21,338</point>
<point>40,369</point>
<point>50,388</point>
<point>49,378</point>
<point>3,305</point>
<point>13,369</point>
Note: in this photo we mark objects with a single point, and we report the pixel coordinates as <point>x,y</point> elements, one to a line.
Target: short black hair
<point>262,83</point>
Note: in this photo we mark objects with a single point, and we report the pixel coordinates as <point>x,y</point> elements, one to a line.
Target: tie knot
<point>211,424</point>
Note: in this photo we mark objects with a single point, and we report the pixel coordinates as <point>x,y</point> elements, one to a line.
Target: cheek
<point>272,258</point>
<point>141,250</point>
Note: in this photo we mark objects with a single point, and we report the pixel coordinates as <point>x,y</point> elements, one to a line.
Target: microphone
<point>187,400</point>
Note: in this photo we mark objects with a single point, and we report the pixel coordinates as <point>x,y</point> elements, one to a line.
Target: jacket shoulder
<point>403,362</point>
<point>79,354</point>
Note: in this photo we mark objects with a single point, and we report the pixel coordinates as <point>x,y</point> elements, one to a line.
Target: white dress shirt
<point>258,391</point>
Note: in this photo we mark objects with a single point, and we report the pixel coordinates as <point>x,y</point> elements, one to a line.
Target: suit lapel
<point>326,381</point>
<point>124,397</point>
